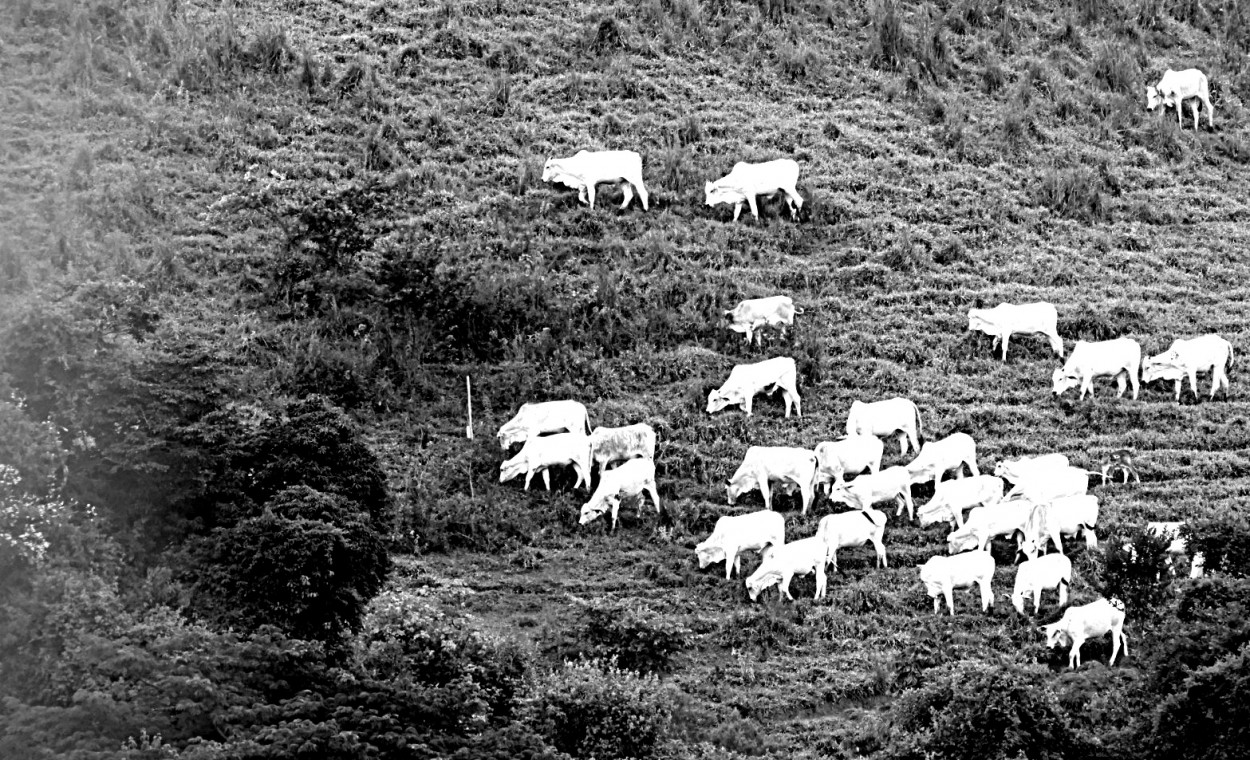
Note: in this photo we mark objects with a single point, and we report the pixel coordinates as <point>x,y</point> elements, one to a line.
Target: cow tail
<point>919,432</point>
<point>1229,363</point>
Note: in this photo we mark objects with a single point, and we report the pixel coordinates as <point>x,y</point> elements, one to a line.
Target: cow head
<point>1016,599</point>
<point>977,319</point>
<point>1063,381</point>
<point>514,467</point>
<point>960,541</point>
<point>760,580</point>
<point>718,400</point>
<point>1056,635</point>
<point>931,515</point>
<point>714,194</point>
<point>1161,367</point>
<point>1030,547</point>
<point>592,511</point>
<point>550,169</point>
<point>1152,98</point>
<point>710,551</point>
<point>735,488</point>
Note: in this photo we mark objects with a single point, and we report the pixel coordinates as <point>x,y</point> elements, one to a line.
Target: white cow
<point>1036,575</point>
<point>746,380</point>
<point>1178,86</point>
<point>1008,518</point>
<point>891,484</point>
<point>788,466</point>
<point>850,529</point>
<point>1188,358</point>
<point>781,563</point>
<point>939,457</point>
<point>1005,320</point>
<point>1064,516</point>
<point>754,313</point>
<point>608,445</point>
<point>952,497</point>
<point>1016,470</point>
<point>942,575</point>
<point>586,169</point>
<point>543,417</point>
<point>1041,486</point>
<point>1119,358</point>
<point>1088,621</point>
<point>630,479</point>
<point>745,181</point>
<point>847,456</point>
<point>738,533</point>
<point>544,452</point>
<point>882,418</point>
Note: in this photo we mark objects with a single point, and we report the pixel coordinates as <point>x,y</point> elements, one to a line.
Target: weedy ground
<point>345,198</point>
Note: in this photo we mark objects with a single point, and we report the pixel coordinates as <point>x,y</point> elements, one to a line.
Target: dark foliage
<point>632,635</point>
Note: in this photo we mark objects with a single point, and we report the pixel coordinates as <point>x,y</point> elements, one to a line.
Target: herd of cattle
<point>1047,500</point>
<point>1035,501</point>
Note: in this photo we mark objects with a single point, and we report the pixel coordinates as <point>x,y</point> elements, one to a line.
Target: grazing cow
<point>1008,518</point>
<point>1121,462</point>
<point>1016,470</point>
<point>1044,485</point>
<point>1037,575</point>
<point>587,168</point>
<point>1178,86</point>
<point>849,529</point>
<point>608,445</point>
<point>745,181</point>
<point>942,575</point>
<point>754,313</point>
<point>544,452</point>
<point>882,418</point>
<point>1119,358</point>
<point>1188,358</point>
<point>939,457</point>
<point>789,466</point>
<point>543,417</point>
<point>891,484</point>
<point>746,380</point>
<point>952,497</point>
<point>847,456</point>
<point>1005,320</point>
<point>630,479</point>
<point>1095,619</point>
<point>781,563</point>
<point>1064,516</point>
<point>738,533</point>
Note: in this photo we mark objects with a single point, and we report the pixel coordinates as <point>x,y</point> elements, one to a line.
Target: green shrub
<point>1207,720</point>
<point>1140,576</point>
<point>1116,69</point>
<point>1224,542</point>
<point>597,710</point>
<point>888,43</point>
<point>627,633</point>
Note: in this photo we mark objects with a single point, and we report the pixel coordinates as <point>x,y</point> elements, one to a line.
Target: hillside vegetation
<point>250,251</point>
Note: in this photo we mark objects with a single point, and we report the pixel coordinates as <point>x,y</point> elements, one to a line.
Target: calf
<point>1121,462</point>
<point>850,529</point>
<point>1037,575</point>
<point>746,380</point>
<point>792,467</point>
<point>1008,518</point>
<point>847,456</point>
<point>942,575</point>
<point>1095,619</point>
<point>1005,320</point>
<point>754,313</point>
<point>1178,86</point>
<point>745,181</point>
<point>1119,358</point>
<point>891,484</point>
<point>542,453</point>
<point>1186,358</point>
<point>543,417</point>
<point>781,563</point>
<point>736,534</point>
<point>882,418</point>
<point>630,479</point>
<point>952,497</point>
<point>1064,516</point>
<point>938,457</point>
<point>608,445</point>
<point>585,169</point>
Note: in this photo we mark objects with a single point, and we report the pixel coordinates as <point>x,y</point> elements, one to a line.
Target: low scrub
<point>628,633</point>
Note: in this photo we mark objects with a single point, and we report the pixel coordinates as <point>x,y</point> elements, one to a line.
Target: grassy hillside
<point>344,199</point>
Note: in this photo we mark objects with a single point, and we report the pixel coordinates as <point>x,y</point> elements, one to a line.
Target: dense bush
<point>1135,567</point>
<point>597,710</point>
<point>630,634</point>
<point>1208,719</point>
<point>1224,542</point>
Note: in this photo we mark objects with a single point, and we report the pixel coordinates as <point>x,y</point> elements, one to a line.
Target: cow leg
<point>528,477</point>
<point>937,605</point>
<point>1063,593</point>
<point>1115,639</point>
<point>808,497</point>
<point>795,200</point>
<point>1193,382</point>
<point>616,509</point>
<point>1211,124</point>
<point>590,193</point>
<point>785,585</point>
<point>902,444</point>
<point>972,465</point>
<point>655,495</point>
<point>911,506</point>
<point>949,593</point>
<point>880,547</point>
<point>1193,104</point>
<point>1121,382</point>
<point>755,211</point>
<point>642,193</point>
<point>547,478</point>
<point>1006,340</point>
<point>581,194</point>
<point>1178,391</point>
<point>987,596</point>
<point>749,333</point>
<point>1056,343</point>
<point>822,581</point>
<point>763,485</point>
<point>629,194</point>
<point>737,210</point>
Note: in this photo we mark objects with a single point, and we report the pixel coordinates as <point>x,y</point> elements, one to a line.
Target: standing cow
<point>882,418</point>
<point>746,380</point>
<point>1005,320</point>
<point>1186,358</point>
<point>1178,86</point>
<point>586,169</point>
<point>1119,358</point>
<point>745,181</point>
<point>752,314</point>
